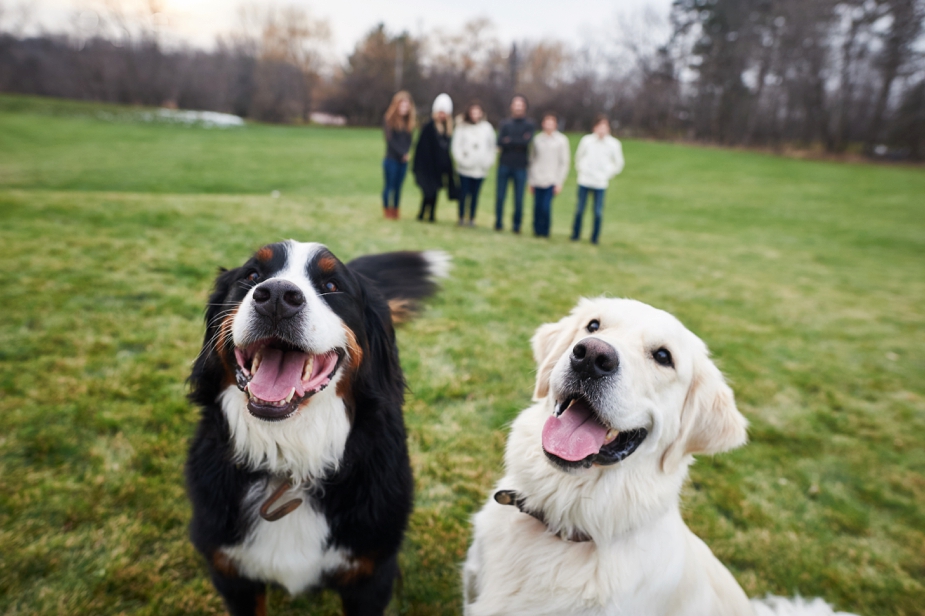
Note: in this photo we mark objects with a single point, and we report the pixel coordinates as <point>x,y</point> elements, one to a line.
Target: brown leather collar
<point>283,511</point>
<point>510,497</point>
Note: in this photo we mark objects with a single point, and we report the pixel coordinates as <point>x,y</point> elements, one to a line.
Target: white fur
<point>291,551</point>
<point>322,329</point>
<point>439,263</point>
<point>642,558</point>
<point>302,447</point>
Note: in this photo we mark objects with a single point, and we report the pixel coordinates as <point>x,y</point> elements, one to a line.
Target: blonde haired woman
<point>399,123</point>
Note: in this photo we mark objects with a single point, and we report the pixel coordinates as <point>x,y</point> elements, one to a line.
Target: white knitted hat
<point>443,103</point>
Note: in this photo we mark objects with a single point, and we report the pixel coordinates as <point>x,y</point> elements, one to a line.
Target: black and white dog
<point>299,472</point>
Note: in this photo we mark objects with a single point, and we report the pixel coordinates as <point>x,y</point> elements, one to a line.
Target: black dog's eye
<point>330,286</point>
<point>663,357</point>
<point>253,276</point>
<point>594,325</point>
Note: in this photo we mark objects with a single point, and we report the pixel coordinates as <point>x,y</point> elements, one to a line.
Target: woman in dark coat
<point>433,168</point>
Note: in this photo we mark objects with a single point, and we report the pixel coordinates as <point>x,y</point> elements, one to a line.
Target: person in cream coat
<point>549,159</point>
<point>473,150</point>
<point>598,159</point>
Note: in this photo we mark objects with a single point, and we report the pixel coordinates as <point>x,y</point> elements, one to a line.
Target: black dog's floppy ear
<point>207,366</point>
<point>220,290</point>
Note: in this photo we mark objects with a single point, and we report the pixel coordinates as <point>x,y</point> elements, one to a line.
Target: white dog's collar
<point>511,497</point>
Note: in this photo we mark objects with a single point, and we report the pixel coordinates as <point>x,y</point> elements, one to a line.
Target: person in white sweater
<point>549,159</point>
<point>473,149</point>
<point>598,159</point>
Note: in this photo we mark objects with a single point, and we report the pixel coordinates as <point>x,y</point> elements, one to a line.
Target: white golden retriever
<point>586,520</point>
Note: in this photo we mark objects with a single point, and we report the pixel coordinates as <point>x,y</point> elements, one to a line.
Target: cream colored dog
<point>586,520</point>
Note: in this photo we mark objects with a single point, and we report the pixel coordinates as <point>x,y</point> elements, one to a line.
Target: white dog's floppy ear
<point>549,343</point>
<point>710,421</point>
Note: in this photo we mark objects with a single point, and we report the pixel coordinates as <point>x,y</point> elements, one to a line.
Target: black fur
<point>398,275</point>
<point>367,502</point>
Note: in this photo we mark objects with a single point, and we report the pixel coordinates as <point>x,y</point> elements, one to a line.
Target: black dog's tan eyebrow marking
<point>264,254</point>
<point>327,263</point>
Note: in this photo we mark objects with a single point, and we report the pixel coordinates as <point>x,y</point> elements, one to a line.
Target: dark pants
<point>394,177</point>
<point>542,210</point>
<point>505,175</point>
<point>468,195</point>
<point>580,210</point>
<point>428,208</point>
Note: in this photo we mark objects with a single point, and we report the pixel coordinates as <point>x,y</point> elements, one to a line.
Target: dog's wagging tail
<point>298,472</point>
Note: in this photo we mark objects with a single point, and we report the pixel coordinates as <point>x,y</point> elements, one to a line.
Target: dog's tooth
<point>307,370</point>
<point>611,434</point>
<point>258,357</point>
<point>289,397</point>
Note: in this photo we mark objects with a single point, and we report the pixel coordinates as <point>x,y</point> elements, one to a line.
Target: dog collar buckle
<point>284,510</point>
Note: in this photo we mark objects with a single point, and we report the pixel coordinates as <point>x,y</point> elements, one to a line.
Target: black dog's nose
<point>593,359</point>
<point>278,299</point>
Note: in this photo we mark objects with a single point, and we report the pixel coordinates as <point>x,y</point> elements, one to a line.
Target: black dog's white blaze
<point>306,388</point>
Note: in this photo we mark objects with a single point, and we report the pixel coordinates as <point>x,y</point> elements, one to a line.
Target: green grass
<point>805,278</point>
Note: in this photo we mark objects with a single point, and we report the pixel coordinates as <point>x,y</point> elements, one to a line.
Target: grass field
<point>805,278</point>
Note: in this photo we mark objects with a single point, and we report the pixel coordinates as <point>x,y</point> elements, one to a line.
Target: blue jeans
<point>394,176</point>
<point>468,192</point>
<point>580,210</point>
<point>542,210</point>
<point>505,175</point>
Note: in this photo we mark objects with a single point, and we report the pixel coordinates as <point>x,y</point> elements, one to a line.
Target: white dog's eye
<point>594,325</point>
<point>663,357</point>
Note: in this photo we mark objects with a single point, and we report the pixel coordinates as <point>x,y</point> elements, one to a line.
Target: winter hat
<point>443,103</point>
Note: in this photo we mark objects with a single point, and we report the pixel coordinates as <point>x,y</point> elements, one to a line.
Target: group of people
<point>468,148</point>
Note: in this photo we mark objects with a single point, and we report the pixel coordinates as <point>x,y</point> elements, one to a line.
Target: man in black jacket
<point>513,138</point>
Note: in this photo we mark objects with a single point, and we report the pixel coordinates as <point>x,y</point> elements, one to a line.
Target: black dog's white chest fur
<point>294,551</point>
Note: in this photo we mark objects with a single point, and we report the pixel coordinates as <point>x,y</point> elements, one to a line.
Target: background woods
<point>831,74</point>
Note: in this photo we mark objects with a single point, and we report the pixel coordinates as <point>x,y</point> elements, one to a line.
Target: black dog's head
<point>290,323</point>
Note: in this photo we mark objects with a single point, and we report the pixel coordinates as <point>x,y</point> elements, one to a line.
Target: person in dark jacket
<point>399,122</point>
<point>513,139</point>
<point>433,168</point>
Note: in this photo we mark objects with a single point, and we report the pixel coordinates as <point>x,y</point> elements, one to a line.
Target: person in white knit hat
<point>473,149</point>
<point>433,168</point>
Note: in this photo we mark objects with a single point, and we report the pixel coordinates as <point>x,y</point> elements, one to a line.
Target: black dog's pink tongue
<point>279,371</point>
<point>574,435</point>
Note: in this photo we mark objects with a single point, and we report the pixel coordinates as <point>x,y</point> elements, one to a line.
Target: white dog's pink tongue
<point>574,435</point>
<point>279,371</point>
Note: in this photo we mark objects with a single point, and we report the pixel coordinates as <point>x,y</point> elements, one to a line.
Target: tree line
<point>836,75</point>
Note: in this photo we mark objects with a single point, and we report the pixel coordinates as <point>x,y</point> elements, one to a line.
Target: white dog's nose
<point>592,358</point>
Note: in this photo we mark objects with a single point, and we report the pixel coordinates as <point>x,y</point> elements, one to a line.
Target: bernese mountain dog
<point>299,473</point>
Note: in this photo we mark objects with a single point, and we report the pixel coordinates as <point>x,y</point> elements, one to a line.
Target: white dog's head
<point>616,374</point>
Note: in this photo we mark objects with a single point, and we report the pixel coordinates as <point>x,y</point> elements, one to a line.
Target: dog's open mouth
<point>575,437</point>
<point>278,376</point>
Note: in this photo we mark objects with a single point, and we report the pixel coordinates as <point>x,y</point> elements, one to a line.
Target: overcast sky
<point>198,21</point>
